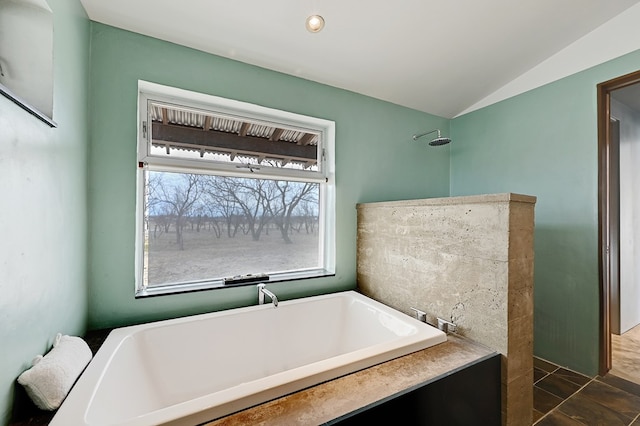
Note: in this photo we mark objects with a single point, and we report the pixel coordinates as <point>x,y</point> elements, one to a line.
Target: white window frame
<point>151,92</point>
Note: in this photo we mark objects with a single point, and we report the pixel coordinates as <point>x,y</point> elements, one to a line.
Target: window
<point>230,192</point>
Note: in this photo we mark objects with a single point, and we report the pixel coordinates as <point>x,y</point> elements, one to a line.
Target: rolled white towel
<point>50,379</point>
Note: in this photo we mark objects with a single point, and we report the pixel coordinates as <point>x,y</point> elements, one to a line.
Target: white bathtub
<point>194,369</point>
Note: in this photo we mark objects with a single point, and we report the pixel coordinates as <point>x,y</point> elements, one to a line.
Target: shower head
<point>439,141</point>
<point>435,142</point>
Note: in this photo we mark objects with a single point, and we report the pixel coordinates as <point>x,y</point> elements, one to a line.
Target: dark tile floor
<point>565,398</point>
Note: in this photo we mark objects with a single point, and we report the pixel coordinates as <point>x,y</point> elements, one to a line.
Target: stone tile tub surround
<point>330,401</point>
<point>465,259</point>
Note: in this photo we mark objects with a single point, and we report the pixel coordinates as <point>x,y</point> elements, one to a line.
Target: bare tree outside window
<point>240,213</point>
<point>176,198</point>
<point>285,203</point>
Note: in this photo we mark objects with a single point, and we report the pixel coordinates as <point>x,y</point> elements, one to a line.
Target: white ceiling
<point>439,57</point>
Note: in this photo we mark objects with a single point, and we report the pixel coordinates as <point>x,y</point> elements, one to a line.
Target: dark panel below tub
<point>469,397</point>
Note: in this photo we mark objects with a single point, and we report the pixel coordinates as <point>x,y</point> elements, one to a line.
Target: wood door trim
<point>604,198</point>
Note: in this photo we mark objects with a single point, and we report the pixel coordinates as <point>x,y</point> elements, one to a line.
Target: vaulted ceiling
<point>439,57</point>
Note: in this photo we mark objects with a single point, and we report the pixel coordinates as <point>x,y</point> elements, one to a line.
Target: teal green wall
<point>68,241</point>
<point>43,215</point>
<point>544,143</point>
<point>375,160</point>
<point>68,250</point>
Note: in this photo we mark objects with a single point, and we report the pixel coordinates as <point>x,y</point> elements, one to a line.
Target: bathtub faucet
<point>262,291</point>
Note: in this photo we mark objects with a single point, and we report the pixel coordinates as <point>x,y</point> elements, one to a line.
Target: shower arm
<point>416,137</point>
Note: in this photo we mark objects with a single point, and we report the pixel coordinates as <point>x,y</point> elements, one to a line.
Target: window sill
<point>190,287</point>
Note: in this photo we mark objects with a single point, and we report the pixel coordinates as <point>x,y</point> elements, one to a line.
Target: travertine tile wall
<point>468,260</point>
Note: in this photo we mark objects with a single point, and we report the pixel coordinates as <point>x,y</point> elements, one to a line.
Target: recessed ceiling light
<point>315,23</point>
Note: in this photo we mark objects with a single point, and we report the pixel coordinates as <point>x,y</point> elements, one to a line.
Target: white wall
<point>629,214</point>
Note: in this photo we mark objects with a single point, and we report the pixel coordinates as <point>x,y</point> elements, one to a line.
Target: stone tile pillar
<point>468,260</point>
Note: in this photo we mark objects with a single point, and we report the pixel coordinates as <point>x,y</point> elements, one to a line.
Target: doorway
<point>612,304</point>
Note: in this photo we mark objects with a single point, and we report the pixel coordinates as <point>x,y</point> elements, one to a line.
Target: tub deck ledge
<point>339,397</point>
